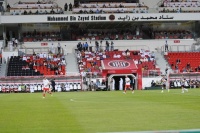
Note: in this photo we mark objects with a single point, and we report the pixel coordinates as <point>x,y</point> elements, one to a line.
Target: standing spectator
<point>16,42</point>
<point>166,46</point>
<point>11,45</point>
<point>153,83</point>
<point>121,84</point>
<point>70,7</point>
<point>128,54</point>
<point>98,83</point>
<point>59,47</point>
<point>79,46</point>
<point>112,46</point>
<point>8,7</point>
<point>107,46</point>
<point>116,37</point>
<point>86,46</point>
<point>112,84</point>
<point>132,84</point>
<point>176,68</point>
<point>83,46</point>
<point>92,86</point>
<point>66,7</point>
<point>53,84</point>
<point>166,69</point>
<point>52,49</point>
<point>97,46</point>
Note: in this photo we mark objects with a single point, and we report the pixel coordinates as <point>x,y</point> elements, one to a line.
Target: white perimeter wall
<point>151,45</point>
<point>146,82</point>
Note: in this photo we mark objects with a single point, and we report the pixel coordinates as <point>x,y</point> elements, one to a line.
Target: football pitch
<point>100,111</point>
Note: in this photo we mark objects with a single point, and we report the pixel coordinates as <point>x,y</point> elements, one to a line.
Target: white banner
<point>100,17</point>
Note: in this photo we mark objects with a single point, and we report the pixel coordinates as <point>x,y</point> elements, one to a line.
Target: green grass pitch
<point>102,111</point>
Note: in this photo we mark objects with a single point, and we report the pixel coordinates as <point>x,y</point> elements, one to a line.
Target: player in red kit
<point>127,84</point>
<point>46,88</point>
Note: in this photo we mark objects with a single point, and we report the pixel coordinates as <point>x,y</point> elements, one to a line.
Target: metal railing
<point>38,79</point>
<point>121,48</point>
<point>151,73</point>
<point>178,48</point>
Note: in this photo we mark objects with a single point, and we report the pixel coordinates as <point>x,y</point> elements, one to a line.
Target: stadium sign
<point>126,17</point>
<point>76,18</point>
<point>112,17</point>
<point>119,64</point>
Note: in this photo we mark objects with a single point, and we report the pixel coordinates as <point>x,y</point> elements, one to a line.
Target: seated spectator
<point>198,68</point>
<point>23,67</point>
<point>178,61</point>
<point>152,54</point>
<point>122,10</point>
<point>37,12</point>
<point>20,12</point>
<point>124,53</point>
<point>153,83</point>
<point>81,11</point>
<point>24,58</point>
<point>97,11</point>
<point>104,6</point>
<point>97,6</point>
<point>116,56</point>
<point>133,11</point>
<point>25,12</point>
<point>38,2</point>
<point>91,11</point>
<point>52,11</point>
<point>41,12</point>
<point>146,67</point>
<point>188,65</point>
<point>8,7</point>
<point>30,12</point>
<point>85,11</point>
<point>121,5</point>
<point>127,54</point>
<point>27,67</point>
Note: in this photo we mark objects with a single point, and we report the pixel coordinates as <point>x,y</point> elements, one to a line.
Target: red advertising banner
<point>44,44</point>
<point>113,65</point>
<point>176,41</point>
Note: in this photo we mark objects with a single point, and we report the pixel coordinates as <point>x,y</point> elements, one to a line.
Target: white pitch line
<point>165,131</point>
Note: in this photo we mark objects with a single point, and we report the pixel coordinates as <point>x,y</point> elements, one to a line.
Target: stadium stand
<point>91,61</point>
<point>173,34</point>
<point>190,83</point>
<point>143,25</point>
<point>41,36</point>
<point>34,8</point>
<point>110,7</point>
<point>35,65</point>
<point>108,34</point>
<point>179,6</point>
<point>184,61</point>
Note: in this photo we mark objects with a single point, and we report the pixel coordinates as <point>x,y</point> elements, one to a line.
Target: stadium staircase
<point>71,61</point>
<point>3,68</point>
<point>161,62</point>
